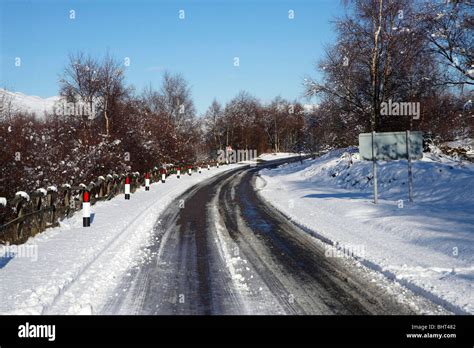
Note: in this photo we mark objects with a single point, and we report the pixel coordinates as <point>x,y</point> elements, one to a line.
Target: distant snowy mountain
<point>29,103</point>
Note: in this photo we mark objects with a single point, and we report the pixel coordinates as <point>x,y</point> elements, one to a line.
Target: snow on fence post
<point>199,168</point>
<point>127,187</point>
<point>217,164</point>
<point>147,181</point>
<point>134,182</point>
<point>121,183</point>
<point>102,187</point>
<point>78,193</point>
<point>19,213</point>
<point>51,202</point>
<point>92,188</point>
<point>67,200</point>
<point>45,207</point>
<point>22,200</point>
<point>86,209</point>
<point>109,184</point>
<point>82,187</point>
<point>117,185</point>
<point>139,182</point>
<point>208,166</point>
<point>36,206</point>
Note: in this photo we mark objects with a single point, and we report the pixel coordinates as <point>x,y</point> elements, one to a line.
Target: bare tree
<point>176,101</point>
<point>449,27</point>
<point>80,81</point>
<point>214,125</point>
<point>380,53</point>
<point>7,108</point>
<point>111,76</point>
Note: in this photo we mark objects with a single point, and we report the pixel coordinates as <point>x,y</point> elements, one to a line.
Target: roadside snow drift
<point>276,155</point>
<point>427,246</point>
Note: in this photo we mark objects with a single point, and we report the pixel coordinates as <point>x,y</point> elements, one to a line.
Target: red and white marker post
<point>189,170</point>
<point>163,175</point>
<point>178,172</point>
<point>147,182</point>
<point>199,169</point>
<point>86,209</point>
<point>208,166</point>
<point>127,187</point>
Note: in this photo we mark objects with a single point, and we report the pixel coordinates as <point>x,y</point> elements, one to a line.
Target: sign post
<point>410,172</point>
<point>389,146</point>
<point>374,168</point>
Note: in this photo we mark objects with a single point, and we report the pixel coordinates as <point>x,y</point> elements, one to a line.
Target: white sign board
<point>390,146</point>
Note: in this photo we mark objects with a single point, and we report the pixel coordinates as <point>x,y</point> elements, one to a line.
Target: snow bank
<point>427,246</point>
<point>74,269</point>
<point>276,155</point>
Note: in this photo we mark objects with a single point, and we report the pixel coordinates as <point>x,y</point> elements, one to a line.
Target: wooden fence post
<point>51,202</point>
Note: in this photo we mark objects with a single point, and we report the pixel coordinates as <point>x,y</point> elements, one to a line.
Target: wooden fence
<point>32,213</point>
<point>36,211</point>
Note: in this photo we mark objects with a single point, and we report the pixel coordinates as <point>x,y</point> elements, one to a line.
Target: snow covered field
<point>427,246</point>
<point>71,269</point>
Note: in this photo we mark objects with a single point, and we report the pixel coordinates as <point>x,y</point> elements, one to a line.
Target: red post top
<point>147,176</point>
<point>86,197</point>
<point>127,180</point>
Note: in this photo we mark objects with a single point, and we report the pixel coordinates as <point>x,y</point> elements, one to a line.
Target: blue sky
<point>275,52</point>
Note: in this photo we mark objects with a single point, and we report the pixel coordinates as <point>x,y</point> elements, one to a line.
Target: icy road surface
<point>220,249</point>
<point>427,246</point>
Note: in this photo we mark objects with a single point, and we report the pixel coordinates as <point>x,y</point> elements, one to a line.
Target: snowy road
<point>427,246</point>
<point>220,249</point>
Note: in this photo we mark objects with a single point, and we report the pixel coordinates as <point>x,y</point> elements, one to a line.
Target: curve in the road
<point>220,249</point>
